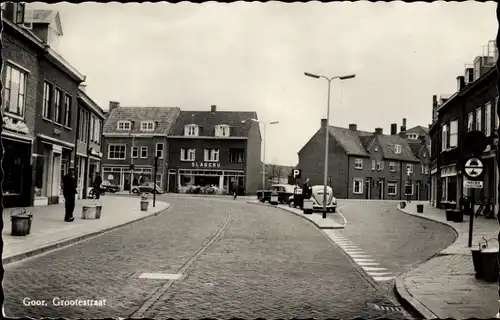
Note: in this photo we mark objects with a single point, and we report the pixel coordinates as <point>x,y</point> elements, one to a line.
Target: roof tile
<point>164,116</point>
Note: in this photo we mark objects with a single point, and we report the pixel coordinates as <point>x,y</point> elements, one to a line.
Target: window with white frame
<point>212,155</point>
<point>116,152</point>
<point>444,137</point>
<point>357,186</point>
<point>124,125</point>
<point>392,166</point>
<point>187,154</point>
<point>97,131</point>
<point>422,169</point>
<point>397,149</point>
<point>159,150</point>
<point>479,119</point>
<point>426,170</point>
<point>358,163</point>
<point>67,111</point>
<point>470,122</point>
<point>147,126</point>
<point>14,90</point>
<point>144,152</point>
<point>92,130</point>
<point>487,119</point>
<point>134,152</point>
<point>380,165</point>
<point>191,130</point>
<point>392,188</point>
<point>58,115</point>
<point>413,136</point>
<point>453,133</point>
<point>222,130</point>
<point>373,165</point>
<point>48,92</point>
<point>409,168</point>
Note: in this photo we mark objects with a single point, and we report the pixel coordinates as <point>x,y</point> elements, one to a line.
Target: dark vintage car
<point>284,192</point>
<point>108,186</point>
<point>147,187</point>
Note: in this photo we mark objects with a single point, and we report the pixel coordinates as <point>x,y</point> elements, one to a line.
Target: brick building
<point>39,104</point>
<point>368,165</point>
<point>471,107</point>
<point>210,148</point>
<point>133,136</point>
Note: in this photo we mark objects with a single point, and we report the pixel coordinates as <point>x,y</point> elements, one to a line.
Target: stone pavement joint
<point>50,232</point>
<point>444,286</point>
<point>333,220</point>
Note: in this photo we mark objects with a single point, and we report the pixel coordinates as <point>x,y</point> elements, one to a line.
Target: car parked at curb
<point>147,187</point>
<point>317,198</point>
<point>284,192</point>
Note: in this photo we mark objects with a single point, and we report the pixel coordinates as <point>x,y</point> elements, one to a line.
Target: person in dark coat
<point>234,188</point>
<point>97,186</point>
<point>69,192</point>
<point>306,190</point>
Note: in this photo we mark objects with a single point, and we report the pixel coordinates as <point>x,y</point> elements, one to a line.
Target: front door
<point>418,190</point>
<point>381,190</point>
<point>171,182</point>
<point>368,184</point>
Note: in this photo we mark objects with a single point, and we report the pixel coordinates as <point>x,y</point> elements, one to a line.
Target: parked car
<point>147,187</point>
<point>108,186</point>
<point>284,192</point>
<point>317,198</point>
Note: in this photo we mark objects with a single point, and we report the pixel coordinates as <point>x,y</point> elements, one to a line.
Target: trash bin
<point>298,200</point>
<point>89,212</point>
<point>476,260</point>
<point>21,224</point>
<point>144,205</point>
<point>98,211</point>
<point>420,208</point>
<point>402,204</point>
<point>458,216</point>
<point>274,198</point>
<point>307,206</point>
<point>489,264</point>
<point>449,215</point>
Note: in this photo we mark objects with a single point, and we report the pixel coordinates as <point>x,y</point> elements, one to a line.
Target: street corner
<point>410,302</point>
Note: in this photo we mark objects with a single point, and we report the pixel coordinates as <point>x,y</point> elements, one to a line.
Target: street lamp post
<point>264,151</point>
<point>325,178</point>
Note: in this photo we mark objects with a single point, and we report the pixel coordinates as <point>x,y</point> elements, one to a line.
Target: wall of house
<point>253,159</point>
<point>354,174</point>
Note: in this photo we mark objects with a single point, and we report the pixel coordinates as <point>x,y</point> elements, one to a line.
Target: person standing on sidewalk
<point>97,186</point>
<point>235,186</point>
<point>306,190</point>
<point>69,192</point>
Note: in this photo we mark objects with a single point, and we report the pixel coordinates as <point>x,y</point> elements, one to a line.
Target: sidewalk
<point>190,195</point>
<point>333,220</point>
<point>445,286</point>
<point>49,230</point>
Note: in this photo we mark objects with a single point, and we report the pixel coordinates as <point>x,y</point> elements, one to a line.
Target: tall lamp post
<point>325,180</point>
<point>264,151</point>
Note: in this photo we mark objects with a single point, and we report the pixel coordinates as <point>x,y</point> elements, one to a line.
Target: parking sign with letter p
<point>297,173</point>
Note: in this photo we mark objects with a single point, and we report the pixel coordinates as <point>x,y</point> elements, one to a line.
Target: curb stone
<point>69,241</point>
<point>400,287</point>
<point>302,216</point>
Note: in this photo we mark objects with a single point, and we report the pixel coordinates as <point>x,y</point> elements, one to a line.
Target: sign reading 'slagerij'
<point>205,164</point>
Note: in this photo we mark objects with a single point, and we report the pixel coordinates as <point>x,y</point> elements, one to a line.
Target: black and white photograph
<point>274,160</point>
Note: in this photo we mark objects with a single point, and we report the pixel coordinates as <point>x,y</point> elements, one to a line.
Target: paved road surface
<point>395,241</point>
<point>237,259</point>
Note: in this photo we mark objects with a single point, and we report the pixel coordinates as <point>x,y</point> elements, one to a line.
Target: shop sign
<point>206,165</point>
<point>15,125</point>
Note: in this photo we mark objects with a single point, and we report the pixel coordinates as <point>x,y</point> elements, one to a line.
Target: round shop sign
<point>110,177</point>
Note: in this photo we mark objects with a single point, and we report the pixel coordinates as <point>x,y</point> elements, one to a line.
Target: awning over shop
<point>18,137</point>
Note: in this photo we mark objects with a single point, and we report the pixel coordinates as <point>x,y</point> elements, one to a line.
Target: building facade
<point>88,152</point>
<point>472,107</point>
<point>367,165</point>
<point>133,137</point>
<point>211,149</point>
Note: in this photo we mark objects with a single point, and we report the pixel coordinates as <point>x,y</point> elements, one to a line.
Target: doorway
<point>418,190</point>
<point>381,189</point>
<point>368,184</point>
<point>171,182</point>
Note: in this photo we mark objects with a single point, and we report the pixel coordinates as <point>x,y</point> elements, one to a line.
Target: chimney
<point>394,128</point>
<point>379,131</point>
<point>213,108</point>
<point>323,123</point>
<point>460,83</point>
<point>403,127</point>
<point>82,87</point>
<point>113,105</point>
<point>353,127</point>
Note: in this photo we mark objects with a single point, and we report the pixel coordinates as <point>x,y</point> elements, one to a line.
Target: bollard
<point>144,202</point>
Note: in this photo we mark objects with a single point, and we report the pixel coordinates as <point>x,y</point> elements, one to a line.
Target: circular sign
<point>110,177</point>
<point>473,168</point>
<point>475,142</point>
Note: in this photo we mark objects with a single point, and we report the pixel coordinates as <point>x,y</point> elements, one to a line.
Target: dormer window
<point>147,126</point>
<point>222,130</point>
<point>191,130</point>
<point>397,149</point>
<point>124,125</point>
<point>413,136</point>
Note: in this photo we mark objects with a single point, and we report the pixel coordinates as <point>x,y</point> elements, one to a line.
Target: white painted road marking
<point>160,276</point>
<point>364,260</point>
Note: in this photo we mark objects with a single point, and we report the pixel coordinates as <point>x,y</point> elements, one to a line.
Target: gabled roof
<point>45,16</point>
<point>238,121</point>
<point>415,146</point>
<point>163,116</point>
<point>350,140</point>
<point>422,131</point>
<point>388,142</point>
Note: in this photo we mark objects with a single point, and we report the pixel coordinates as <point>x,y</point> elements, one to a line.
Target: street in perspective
<point>229,163</point>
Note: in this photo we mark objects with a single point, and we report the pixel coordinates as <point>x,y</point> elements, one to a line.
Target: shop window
<point>236,155</point>
<point>39,183</point>
<point>13,168</point>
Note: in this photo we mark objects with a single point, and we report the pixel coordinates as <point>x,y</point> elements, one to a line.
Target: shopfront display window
<point>13,173</point>
<point>39,169</point>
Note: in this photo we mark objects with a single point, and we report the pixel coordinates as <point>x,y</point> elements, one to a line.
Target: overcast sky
<point>252,57</point>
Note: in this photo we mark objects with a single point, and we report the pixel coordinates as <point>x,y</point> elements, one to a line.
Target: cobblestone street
<point>261,263</point>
